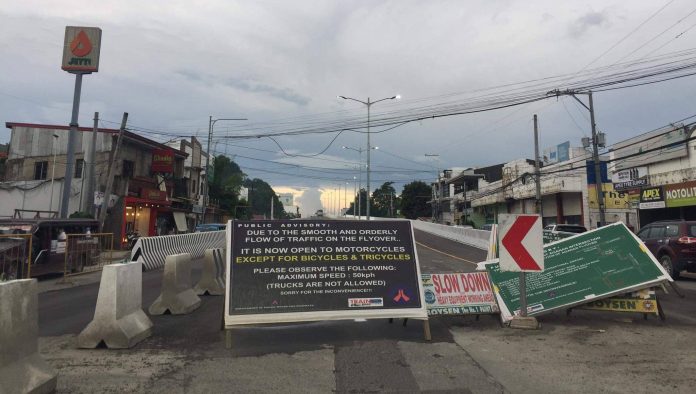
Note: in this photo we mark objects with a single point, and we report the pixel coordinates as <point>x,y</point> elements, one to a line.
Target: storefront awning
<point>180,219</point>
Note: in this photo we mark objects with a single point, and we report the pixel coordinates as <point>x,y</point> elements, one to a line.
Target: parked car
<point>673,243</point>
<point>319,213</point>
<point>487,227</point>
<point>48,245</point>
<point>566,228</point>
<point>210,227</point>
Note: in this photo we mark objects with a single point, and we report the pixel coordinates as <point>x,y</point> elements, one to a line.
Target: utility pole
<point>598,169</point>
<point>90,170</point>
<point>110,176</point>
<point>391,205</point>
<point>595,148</point>
<point>537,173</point>
<point>272,207</point>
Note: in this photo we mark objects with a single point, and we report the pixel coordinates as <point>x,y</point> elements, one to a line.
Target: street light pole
<point>211,126</point>
<point>435,208</point>
<point>369,104</point>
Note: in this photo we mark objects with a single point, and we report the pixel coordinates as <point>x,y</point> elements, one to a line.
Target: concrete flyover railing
<point>469,236</point>
<point>152,251</point>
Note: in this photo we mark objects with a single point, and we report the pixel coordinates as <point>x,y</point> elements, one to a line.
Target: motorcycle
<point>132,238</point>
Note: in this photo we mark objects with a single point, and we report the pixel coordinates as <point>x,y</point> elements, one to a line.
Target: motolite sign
<point>680,194</point>
<point>81,49</point>
<point>163,160</point>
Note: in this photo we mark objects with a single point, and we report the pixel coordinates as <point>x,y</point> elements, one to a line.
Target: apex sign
<point>521,243</point>
<point>81,49</point>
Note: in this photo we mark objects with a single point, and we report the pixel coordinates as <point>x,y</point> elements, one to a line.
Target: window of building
<point>128,169</point>
<point>193,187</point>
<point>79,167</point>
<point>40,170</point>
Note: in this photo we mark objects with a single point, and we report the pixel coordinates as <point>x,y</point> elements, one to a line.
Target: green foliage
<point>384,201</point>
<point>226,182</point>
<point>260,196</point>
<point>414,200</point>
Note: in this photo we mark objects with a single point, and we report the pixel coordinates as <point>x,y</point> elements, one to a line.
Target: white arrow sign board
<point>521,243</point>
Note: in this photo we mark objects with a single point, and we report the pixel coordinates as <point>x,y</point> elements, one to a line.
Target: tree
<point>260,196</point>
<point>383,204</point>
<point>226,183</point>
<point>414,200</point>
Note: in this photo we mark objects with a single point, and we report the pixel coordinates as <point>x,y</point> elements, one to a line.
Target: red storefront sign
<point>163,160</point>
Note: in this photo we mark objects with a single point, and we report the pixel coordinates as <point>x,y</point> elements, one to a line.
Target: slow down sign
<point>521,243</point>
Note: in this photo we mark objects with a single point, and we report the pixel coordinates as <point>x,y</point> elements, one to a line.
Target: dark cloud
<point>585,22</point>
<point>256,87</point>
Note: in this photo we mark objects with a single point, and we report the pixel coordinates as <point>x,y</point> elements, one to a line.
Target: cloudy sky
<point>281,64</point>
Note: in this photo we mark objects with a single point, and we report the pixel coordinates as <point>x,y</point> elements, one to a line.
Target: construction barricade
<point>15,256</point>
<point>213,276</point>
<point>87,252</point>
<point>119,320</point>
<point>152,251</point>
<point>22,370</point>
<point>177,295</point>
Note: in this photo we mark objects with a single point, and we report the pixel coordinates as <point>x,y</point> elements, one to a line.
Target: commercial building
<point>144,196</point>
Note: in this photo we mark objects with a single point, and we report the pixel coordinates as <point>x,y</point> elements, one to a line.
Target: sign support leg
<point>426,330</point>
<point>523,294</point>
<point>524,321</point>
<point>228,339</point>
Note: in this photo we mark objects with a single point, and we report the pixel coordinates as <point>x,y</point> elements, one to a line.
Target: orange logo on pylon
<point>81,45</point>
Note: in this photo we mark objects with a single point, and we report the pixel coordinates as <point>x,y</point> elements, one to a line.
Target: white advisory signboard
<point>521,243</point>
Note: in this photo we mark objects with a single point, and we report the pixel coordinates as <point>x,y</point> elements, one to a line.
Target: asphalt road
<point>585,352</point>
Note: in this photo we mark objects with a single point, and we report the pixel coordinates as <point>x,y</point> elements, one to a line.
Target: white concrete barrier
<point>469,236</point>
<point>213,275</point>
<point>22,370</point>
<point>177,295</point>
<point>152,251</point>
<point>119,319</point>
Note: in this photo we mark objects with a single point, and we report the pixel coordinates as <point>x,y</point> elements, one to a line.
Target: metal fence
<point>15,256</point>
<point>87,252</point>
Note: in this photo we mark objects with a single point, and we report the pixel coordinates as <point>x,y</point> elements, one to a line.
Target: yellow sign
<point>624,304</point>
<point>612,199</point>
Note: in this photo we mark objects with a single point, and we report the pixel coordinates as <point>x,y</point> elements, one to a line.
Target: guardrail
<point>152,251</point>
<point>469,236</point>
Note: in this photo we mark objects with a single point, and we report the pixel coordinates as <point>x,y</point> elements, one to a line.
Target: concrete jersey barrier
<point>119,319</point>
<point>213,275</point>
<point>469,236</point>
<point>152,251</point>
<point>22,370</point>
<point>177,295</point>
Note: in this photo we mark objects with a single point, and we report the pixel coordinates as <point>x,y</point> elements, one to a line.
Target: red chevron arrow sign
<point>521,243</point>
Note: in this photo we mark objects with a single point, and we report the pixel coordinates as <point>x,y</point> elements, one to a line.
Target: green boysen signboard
<point>577,270</point>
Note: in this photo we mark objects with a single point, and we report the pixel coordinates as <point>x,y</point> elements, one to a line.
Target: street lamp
<point>369,104</point>
<point>360,151</point>
<point>211,126</point>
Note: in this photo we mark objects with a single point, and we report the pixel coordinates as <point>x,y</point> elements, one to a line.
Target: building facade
<point>143,197</point>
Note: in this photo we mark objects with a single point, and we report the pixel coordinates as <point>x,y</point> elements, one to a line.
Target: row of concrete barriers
<point>119,321</point>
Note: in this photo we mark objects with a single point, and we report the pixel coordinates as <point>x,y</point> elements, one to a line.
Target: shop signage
<point>590,266</point>
<point>81,49</point>
<point>458,294</point>
<point>630,178</point>
<point>680,194</point>
<point>291,271</point>
<point>163,160</point>
<point>613,199</point>
<point>643,301</point>
<point>153,194</point>
<point>652,198</point>
<point>197,208</point>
